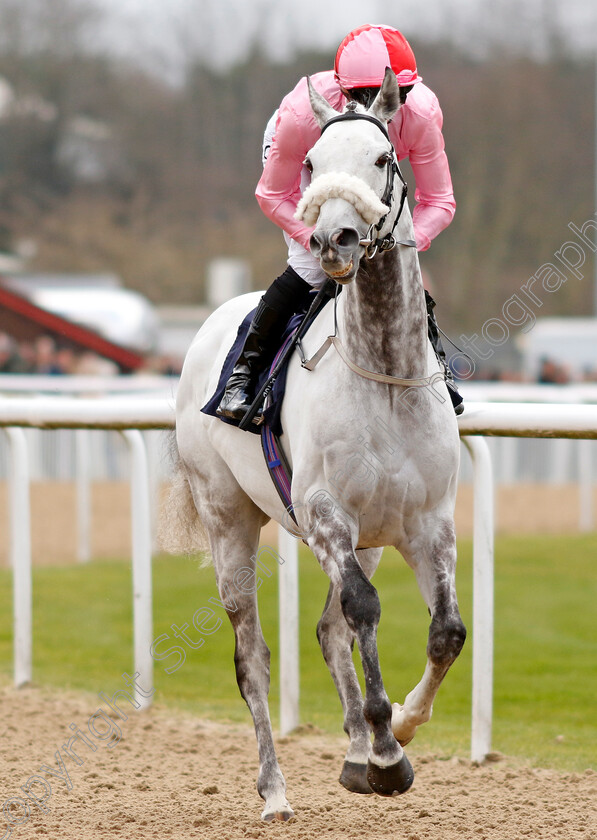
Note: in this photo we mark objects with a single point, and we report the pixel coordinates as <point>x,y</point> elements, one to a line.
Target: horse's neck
<point>384,318</point>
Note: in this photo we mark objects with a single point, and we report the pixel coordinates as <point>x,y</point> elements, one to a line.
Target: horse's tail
<point>180,528</point>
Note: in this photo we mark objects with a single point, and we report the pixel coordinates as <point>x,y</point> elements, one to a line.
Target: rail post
<point>483,550</point>
<point>83,490</point>
<point>141,551</point>
<point>20,554</point>
<point>288,594</point>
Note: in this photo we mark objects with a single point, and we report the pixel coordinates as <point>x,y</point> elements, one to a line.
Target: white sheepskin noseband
<point>339,185</point>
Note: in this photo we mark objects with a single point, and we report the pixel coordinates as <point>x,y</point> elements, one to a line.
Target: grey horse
<point>380,472</point>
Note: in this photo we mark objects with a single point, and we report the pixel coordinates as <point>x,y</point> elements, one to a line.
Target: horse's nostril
<point>316,243</point>
<point>346,238</point>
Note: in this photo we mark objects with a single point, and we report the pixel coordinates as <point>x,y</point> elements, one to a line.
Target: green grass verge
<point>545,644</point>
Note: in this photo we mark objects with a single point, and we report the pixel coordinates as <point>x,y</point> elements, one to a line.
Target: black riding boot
<point>436,343</point>
<point>285,296</point>
<point>238,395</point>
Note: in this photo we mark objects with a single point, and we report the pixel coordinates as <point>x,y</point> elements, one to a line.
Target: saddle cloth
<point>272,413</point>
<point>271,428</point>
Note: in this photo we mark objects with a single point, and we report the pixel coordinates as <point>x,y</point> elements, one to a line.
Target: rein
<point>372,243</point>
<point>334,341</point>
<point>386,379</point>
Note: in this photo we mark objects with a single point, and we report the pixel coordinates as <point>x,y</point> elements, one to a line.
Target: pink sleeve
<point>279,189</point>
<point>434,196</point>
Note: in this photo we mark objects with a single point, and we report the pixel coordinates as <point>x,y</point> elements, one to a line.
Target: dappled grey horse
<point>373,442</point>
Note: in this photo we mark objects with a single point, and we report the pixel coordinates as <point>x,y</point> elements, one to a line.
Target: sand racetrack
<point>175,776</point>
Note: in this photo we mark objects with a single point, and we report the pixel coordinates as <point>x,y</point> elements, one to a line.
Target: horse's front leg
<point>336,640</point>
<point>389,771</point>
<point>435,569</point>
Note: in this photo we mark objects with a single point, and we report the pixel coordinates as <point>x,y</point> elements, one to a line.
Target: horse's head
<point>353,169</point>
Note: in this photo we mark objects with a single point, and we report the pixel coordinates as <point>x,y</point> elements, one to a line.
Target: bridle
<point>372,242</point>
<point>372,246</point>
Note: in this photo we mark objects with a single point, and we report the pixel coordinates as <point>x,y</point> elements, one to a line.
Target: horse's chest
<point>376,495</point>
<point>390,507</point>
<point>385,496</point>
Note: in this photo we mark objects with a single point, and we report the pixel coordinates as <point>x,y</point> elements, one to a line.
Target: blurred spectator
<point>90,364</point>
<point>512,376</point>
<point>8,355</point>
<point>25,361</point>
<point>65,361</point>
<point>589,374</point>
<point>550,372</point>
<point>162,366</point>
<point>45,355</point>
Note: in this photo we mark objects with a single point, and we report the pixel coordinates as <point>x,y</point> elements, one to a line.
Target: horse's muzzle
<point>337,251</point>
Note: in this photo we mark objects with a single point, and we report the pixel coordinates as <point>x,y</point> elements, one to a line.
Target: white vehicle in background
<point>569,343</point>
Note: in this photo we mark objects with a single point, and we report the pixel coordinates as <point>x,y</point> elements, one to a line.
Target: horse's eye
<point>382,161</point>
<point>308,164</point>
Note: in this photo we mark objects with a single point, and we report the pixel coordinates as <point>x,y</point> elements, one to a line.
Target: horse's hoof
<point>392,780</point>
<point>354,777</point>
<point>282,812</point>
<point>402,733</point>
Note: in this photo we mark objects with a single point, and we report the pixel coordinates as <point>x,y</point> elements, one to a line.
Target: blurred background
<point>130,140</point>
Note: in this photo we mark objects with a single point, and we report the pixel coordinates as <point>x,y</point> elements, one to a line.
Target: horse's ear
<point>321,107</point>
<point>387,100</point>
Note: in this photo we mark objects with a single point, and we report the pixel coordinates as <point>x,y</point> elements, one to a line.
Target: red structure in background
<point>26,322</point>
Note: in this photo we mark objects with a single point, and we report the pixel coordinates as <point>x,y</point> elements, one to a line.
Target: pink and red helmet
<point>365,53</point>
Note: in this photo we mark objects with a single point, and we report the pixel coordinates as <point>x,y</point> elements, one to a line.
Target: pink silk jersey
<point>415,131</point>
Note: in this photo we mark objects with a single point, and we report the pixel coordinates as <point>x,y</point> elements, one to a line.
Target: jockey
<point>416,133</point>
